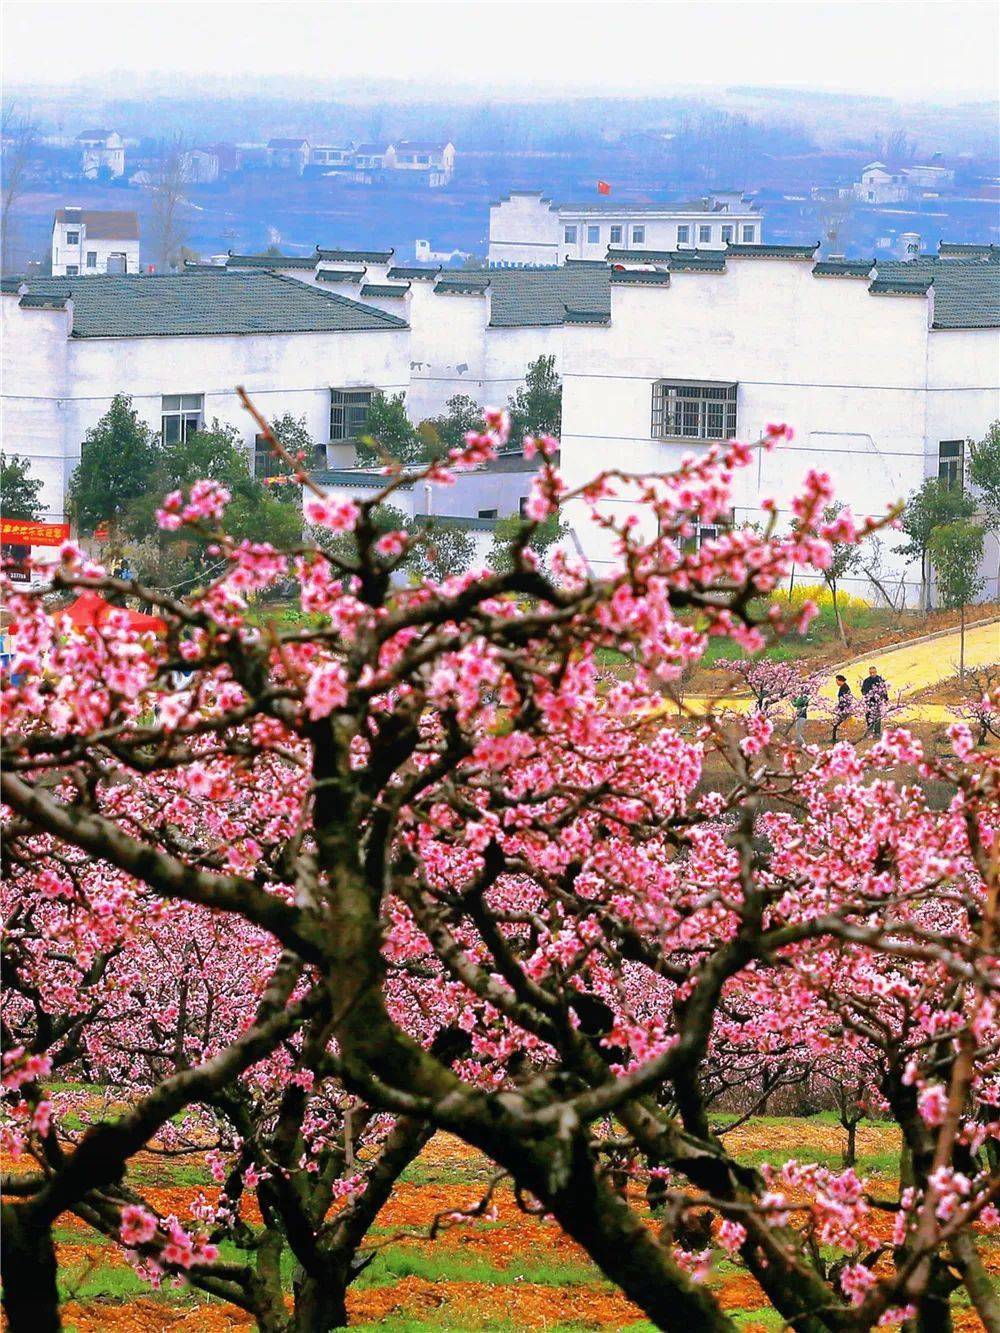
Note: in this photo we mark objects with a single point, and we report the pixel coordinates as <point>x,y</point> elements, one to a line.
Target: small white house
<point>200,166</point>
<point>102,152</point>
<point>529,230</point>
<point>288,155</point>
<point>90,241</point>
<point>330,156</point>
<point>433,159</point>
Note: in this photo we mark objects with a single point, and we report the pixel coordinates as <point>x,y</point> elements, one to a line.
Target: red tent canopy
<point>90,609</point>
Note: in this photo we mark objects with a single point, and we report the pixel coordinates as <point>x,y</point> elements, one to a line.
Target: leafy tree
<point>389,433</point>
<point>119,458</point>
<point>984,473</point>
<point>447,548</point>
<point>845,558</point>
<point>927,508</point>
<point>508,531</point>
<point>536,407</point>
<point>293,435</point>
<point>446,432</point>
<point>956,552</point>
<point>256,512</point>
<point>19,491</point>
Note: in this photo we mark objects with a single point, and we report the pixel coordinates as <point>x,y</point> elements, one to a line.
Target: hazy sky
<point>934,49</point>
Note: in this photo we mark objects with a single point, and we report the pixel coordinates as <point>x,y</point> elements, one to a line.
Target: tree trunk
<point>30,1290</point>
<point>961,646</point>
<point>320,1304</point>
<point>851,1150</point>
<point>836,616</point>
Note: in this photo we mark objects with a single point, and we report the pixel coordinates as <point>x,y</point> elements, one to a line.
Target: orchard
<point>304,894</point>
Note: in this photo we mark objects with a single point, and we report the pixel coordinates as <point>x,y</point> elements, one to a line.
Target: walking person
<point>801,706</point>
<point>874,697</point>
<point>844,706</point>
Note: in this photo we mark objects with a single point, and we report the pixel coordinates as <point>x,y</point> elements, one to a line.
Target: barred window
<point>348,413</point>
<point>951,460</point>
<point>693,411</point>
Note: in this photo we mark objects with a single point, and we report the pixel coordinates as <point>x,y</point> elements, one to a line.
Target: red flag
<point>603,187</point>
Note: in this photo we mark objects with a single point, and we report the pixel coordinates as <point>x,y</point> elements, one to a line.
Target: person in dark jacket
<point>801,705</point>
<point>844,706</point>
<point>874,697</point>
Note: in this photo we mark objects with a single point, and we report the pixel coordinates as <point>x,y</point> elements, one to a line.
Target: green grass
<point>449,1265</point>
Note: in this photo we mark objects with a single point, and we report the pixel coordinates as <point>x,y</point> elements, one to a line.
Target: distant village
<point>104,155</point>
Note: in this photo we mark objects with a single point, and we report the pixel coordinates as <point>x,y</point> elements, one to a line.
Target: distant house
<point>201,166</point>
<point>330,156</point>
<point>368,157</point>
<point>91,241</point>
<point>880,184</point>
<point>102,152</point>
<point>436,159</point>
<point>288,155</point>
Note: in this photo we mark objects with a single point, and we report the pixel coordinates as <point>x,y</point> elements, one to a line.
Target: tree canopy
<point>20,492</point>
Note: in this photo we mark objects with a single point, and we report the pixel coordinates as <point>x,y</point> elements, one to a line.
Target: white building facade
<point>529,230</point>
<point>884,374</point>
<point>90,241</point>
<point>102,152</point>
<point>179,345</point>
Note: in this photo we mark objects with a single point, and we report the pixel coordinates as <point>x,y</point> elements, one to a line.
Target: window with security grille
<point>690,410</point>
<point>348,414</point>
<point>951,463</point>
<point>181,414</point>
<point>616,235</point>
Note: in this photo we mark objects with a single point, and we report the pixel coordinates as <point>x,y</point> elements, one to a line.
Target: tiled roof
<point>340,274</point>
<point>355,256</point>
<point>187,304</point>
<point>287,143</point>
<point>571,316</point>
<point>639,277</point>
<point>103,224</point>
<point>414,274</point>
<point>899,287</point>
<point>356,477</point>
<point>698,261</point>
<point>966,290</point>
<point>541,296</point>
<point>616,256</point>
<point>384,289</point>
<point>843,268</point>
<point>464,284</point>
<point>422,145</point>
<point>762,251</point>
<point>95,134</point>
<point>953,249</point>
<point>271,261</point>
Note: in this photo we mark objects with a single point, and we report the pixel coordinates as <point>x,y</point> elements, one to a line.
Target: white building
<point>179,344</point>
<point>526,229</point>
<point>200,166</point>
<point>434,159</point>
<point>89,241</point>
<point>885,374</point>
<point>102,152</point>
<point>330,156</point>
<point>288,155</point>
<point>880,184</point>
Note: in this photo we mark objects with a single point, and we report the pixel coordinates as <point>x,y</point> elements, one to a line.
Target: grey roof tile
<point>540,296</point>
<point>186,304</point>
<point>966,290</point>
<point>271,261</point>
<point>413,273</point>
<point>384,288</point>
<point>354,256</point>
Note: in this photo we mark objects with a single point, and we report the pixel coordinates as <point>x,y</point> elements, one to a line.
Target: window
<point>569,235</point>
<point>638,235</point>
<point>704,235</point>
<point>951,460</point>
<point>72,238</point>
<point>616,235</point>
<point>727,235</point>
<point>683,235</point>
<point>748,235</point>
<point>180,416</point>
<point>487,513</point>
<point>91,258</point>
<point>348,414</point>
<point>593,235</point>
<point>72,270</point>
<point>693,410</point>
<point>423,160</point>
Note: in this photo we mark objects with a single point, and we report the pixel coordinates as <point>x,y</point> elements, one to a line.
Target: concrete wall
<point>524,229</point>
<point>63,253</point>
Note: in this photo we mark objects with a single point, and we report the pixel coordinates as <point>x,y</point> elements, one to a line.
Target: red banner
<point>26,532</point>
<point>603,187</point>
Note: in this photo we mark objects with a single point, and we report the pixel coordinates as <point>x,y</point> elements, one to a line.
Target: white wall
<point>851,372</point>
<point>524,229</point>
<point>446,348</point>
<point>63,253</point>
